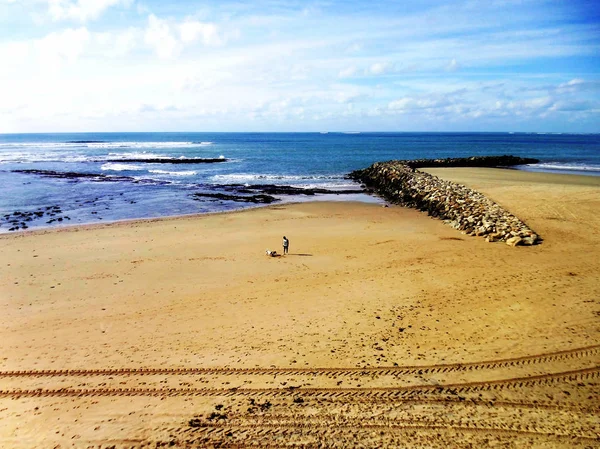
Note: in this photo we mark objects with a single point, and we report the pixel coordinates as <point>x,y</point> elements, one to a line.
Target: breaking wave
<point>174,173</point>
<point>560,166</point>
<point>113,166</point>
<point>235,178</point>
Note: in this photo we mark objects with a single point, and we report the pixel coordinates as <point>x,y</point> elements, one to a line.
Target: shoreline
<point>540,176</point>
<point>134,221</point>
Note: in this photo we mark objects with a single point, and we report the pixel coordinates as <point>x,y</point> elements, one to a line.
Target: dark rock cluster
<point>274,189</point>
<point>172,160</point>
<point>263,193</point>
<point>464,209</point>
<point>86,141</point>
<point>20,220</point>
<point>95,177</point>
<point>259,198</point>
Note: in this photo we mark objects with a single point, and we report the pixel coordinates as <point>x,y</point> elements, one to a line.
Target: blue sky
<point>279,65</point>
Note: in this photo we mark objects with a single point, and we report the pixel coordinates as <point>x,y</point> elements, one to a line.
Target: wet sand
<point>381,327</point>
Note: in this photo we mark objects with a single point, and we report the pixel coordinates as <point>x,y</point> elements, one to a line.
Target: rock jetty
<point>400,182</point>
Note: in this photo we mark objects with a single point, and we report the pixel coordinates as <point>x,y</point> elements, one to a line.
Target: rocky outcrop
<point>172,160</point>
<point>258,199</point>
<point>22,219</point>
<point>463,208</point>
<point>95,177</point>
<point>274,189</point>
<point>86,141</point>
<point>261,193</point>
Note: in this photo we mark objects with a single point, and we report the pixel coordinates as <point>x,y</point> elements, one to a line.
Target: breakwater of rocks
<point>400,182</point>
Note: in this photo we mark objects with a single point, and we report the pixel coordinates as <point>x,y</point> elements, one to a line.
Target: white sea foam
<point>138,145</point>
<point>240,178</point>
<point>174,173</point>
<point>33,145</point>
<point>114,166</point>
<point>137,155</point>
<point>100,145</point>
<point>37,156</point>
<point>331,186</point>
<point>565,166</point>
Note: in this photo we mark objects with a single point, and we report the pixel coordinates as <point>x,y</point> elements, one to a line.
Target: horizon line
<point>299,132</point>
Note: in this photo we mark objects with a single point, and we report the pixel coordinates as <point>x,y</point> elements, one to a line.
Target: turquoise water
<point>125,190</point>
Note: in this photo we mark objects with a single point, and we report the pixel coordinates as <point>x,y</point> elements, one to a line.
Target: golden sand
<point>266,350</point>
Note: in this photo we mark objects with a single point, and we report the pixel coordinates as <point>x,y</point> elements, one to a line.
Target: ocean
<point>65,179</point>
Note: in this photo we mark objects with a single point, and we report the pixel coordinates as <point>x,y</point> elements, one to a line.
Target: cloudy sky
<point>285,65</point>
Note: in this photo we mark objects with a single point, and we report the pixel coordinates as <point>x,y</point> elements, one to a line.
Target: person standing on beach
<point>286,244</point>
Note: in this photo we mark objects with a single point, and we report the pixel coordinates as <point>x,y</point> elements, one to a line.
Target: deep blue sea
<point>117,189</point>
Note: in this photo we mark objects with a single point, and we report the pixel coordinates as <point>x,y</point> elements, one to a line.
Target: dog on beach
<point>271,253</point>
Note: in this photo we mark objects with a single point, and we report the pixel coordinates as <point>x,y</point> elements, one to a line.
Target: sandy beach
<point>382,327</point>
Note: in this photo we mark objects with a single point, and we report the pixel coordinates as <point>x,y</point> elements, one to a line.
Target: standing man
<point>286,244</point>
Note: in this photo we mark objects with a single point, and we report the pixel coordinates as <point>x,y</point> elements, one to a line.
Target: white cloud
<point>82,10</point>
<point>354,48</point>
<point>414,103</point>
<point>452,66</point>
<point>578,85</point>
<point>535,103</point>
<point>62,47</point>
<point>15,52</point>
<point>208,33</point>
<point>379,68</point>
<point>117,44</point>
<point>158,35</point>
<point>347,72</point>
<point>168,38</point>
<point>572,105</point>
<point>347,97</point>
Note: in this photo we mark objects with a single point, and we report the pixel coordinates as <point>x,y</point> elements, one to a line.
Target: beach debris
<point>196,422</point>
<point>467,210</point>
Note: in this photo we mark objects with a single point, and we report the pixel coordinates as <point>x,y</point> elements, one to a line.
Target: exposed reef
<point>274,189</point>
<point>260,198</point>
<point>86,141</point>
<point>172,160</point>
<point>22,219</point>
<point>96,177</point>
<point>464,209</point>
<point>263,193</point>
